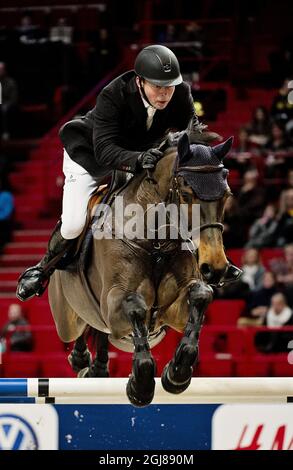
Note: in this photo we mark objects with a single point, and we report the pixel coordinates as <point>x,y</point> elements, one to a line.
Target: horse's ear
<point>183,147</point>
<point>222,149</point>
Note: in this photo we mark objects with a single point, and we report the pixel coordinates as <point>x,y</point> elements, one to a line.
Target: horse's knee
<point>200,293</point>
<point>134,306</point>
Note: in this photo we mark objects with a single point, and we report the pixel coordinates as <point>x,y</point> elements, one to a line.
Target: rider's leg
<point>78,187</point>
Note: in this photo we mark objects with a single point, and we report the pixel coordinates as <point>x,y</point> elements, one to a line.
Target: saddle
<point>76,258</point>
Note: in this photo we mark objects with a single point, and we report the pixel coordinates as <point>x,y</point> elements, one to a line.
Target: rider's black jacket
<point>114,133</point>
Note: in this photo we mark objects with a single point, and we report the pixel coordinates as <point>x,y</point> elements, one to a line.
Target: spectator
<point>278,315</point>
<point>277,147</point>
<point>61,32</point>
<point>29,33</point>
<point>283,269</point>
<point>251,279</point>
<point>9,101</point>
<point>259,128</point>
<point>282,109</point>
<point>253,270</point>
<point>6,213</point>
<point>258,302</point>
<point>262,232</point>
<point>284,232</point>
<point>283,195</point>
<point>19,340</point>
<point>251,198</point>
<point>278,140</point>
<point>241,160</point>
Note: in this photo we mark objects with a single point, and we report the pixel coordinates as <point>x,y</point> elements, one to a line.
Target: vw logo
<point>16,434</point>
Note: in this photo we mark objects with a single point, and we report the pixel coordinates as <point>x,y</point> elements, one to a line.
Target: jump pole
<point>113,391</point>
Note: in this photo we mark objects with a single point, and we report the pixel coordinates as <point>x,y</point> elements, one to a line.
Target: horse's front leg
<point>177,374</point>
<point>141,384</point>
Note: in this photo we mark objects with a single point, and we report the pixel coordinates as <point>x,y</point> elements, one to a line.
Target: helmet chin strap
<point>142,91</point>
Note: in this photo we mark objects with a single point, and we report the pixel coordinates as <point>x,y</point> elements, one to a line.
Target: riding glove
<point>148,160</point>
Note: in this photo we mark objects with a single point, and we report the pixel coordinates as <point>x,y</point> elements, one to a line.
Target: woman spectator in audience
<point>263,231</point>
<point>283,195</point>
<point>284,232</point>
<point>259,128</point>
<point>278,144</point>
<point>240,158</point>
<point>251,279</point>
<point>253,269</point>
<point>278,139</point>
<point>258,301</point>
<point>278,315</point>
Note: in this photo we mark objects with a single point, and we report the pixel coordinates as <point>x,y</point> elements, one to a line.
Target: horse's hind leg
<point>177,374</point>
<point>99,367</point>
<point>141,384</point>
<point>80,357</point>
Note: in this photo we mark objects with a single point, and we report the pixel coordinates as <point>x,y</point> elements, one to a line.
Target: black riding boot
<point>33,281</point>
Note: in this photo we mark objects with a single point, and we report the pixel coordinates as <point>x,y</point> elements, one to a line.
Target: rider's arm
<point>106,135</point>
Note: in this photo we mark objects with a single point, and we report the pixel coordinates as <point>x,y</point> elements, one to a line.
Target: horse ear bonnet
<point>208,186</point>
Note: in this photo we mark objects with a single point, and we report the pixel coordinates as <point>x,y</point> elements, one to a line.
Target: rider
<point>132,117</point>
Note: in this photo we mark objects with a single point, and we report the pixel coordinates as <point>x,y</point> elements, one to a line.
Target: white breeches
<point>78,187</point>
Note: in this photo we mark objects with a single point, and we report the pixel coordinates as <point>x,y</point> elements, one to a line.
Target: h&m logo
<point>256,440</point>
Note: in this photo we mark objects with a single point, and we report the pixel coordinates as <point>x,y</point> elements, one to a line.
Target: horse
<point>133,290</point>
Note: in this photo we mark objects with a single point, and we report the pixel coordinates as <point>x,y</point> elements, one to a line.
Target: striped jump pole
<point>109,391</point>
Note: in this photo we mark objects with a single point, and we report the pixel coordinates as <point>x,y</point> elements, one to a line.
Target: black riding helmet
<point>158,65</point>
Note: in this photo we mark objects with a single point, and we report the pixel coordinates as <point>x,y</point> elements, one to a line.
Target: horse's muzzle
<point>220,277</point>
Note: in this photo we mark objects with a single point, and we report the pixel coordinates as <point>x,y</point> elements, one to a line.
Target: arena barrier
<point>109,391</point>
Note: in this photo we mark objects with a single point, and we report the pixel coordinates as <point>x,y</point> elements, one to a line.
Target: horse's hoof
<point>79,360</point>
<point>172,386</point>
<point>139,399</point>
<point>83,373</point>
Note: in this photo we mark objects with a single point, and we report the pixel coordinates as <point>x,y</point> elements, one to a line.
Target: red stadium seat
<point>256,366</point>
<point>21,365</point>
<point>40,313</point>
<point>224,312</point>
<point>281,366</point>
<point>267,254</point>
<point>47,341</point>
<point>56,365</point>
<point>214,365</point>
